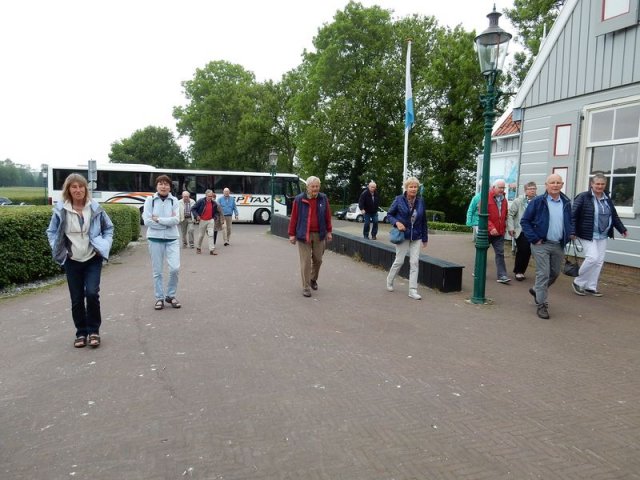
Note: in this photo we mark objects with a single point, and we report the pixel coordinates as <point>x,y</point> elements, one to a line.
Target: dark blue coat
<point>535,221</point>
<point>198,208</point>
<point>401,212</point>
<point>368,203</point>
<point>583,216</point>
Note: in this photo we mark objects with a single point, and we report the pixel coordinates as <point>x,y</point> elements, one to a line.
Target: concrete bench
<point>433,272</point>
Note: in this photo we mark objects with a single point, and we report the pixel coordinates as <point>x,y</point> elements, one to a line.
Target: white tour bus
<point>130,184</point>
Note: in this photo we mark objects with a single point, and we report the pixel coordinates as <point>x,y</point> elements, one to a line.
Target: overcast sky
<point>77,75</point>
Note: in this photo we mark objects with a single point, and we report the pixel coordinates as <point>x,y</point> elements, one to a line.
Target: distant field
<point>22,194</point>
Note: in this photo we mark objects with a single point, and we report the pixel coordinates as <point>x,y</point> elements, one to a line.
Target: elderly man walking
<point>547,225</point>
<point>497,207</point>
<point>368,204</point>
<point>204,212</point>
<point>186,220</point>
<point>229,209</point>
<point>310,227</point>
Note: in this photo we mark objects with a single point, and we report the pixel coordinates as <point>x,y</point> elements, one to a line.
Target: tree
<point>225,118</point>
<point>151,146</point>
<point>530,17</point>
<point>350,108</point>
<point>447,88</point>
<point>14,175</point>
<point>350,123</point>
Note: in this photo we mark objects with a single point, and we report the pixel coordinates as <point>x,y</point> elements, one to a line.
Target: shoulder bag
<point>571,266</point>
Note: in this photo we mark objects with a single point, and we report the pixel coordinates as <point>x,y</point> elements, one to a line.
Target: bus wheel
<point>262,216</point>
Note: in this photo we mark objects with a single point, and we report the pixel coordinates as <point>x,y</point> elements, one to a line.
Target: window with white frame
<point>613,15</point>
<point>614,8</point>
<point>613,143</point>
<point>562,140</point>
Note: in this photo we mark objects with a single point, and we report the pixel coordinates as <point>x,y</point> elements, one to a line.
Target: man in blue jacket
<point>546,224</point>
<point>229,208</point>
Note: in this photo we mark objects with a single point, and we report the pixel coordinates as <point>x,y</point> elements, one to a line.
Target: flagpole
<point>406,154</point>
<point>409,116</point>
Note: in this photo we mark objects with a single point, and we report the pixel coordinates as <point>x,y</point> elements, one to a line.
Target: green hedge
<point>449,227</point>
<point>30,200</point>
<point>25,254</point>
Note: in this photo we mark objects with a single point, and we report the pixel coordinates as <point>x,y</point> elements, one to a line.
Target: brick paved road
<point>250,380</point>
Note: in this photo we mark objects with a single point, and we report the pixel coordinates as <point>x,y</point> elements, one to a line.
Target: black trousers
<point>523,254</point>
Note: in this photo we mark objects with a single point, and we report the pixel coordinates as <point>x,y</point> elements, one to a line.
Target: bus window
<point>232,182</point>
<point>61,174</point>
<point>204,182</point>
<point>185,182</point>
<point>116,181</point>
<point>254,184</point>
<point>147,182</point>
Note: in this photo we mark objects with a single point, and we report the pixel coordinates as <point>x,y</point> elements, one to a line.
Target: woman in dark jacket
<point>408,214</point>
<point>593,218</point>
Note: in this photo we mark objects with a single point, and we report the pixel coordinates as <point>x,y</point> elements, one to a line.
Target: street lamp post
<point>273,162</point>
<point>44,170</point>
<point>492,47</point>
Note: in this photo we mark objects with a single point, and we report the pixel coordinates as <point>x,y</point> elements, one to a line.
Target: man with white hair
<point>547,225</point>
<point>310,227</point>
<point>497,209</point>
<point>186,220</point>
<point>368,204</point>
<point>229,209</point>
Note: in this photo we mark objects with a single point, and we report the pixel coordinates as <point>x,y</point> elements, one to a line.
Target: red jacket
<point>497,220</point>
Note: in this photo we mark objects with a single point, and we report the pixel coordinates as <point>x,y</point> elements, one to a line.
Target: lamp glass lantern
<point>491,45</point>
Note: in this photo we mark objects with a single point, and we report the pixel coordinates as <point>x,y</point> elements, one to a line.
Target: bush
<point>24,250</point>
<point>449,227</point>
<point>25,254</point>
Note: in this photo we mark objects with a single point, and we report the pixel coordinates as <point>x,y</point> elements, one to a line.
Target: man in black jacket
<point>368,203</point>
<point>593,218</point>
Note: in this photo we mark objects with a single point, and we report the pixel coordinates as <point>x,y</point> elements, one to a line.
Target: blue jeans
<point>159,251</point>
<point>83,279</point>
<point>369,218</point>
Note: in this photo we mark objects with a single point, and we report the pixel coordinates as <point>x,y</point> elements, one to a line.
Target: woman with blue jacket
<point>161,216</point>
<point>408,214</point>
<point>80,234</point>
<point>593,218</point>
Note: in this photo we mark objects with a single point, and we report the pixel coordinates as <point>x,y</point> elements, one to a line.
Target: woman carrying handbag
<point>593,218</point>
<point>408,215</point>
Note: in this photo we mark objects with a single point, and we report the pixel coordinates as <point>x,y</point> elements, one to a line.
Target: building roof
<point>507,127</point>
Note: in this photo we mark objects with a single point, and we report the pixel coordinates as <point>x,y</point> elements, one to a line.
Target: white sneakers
<point>413,293</point>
